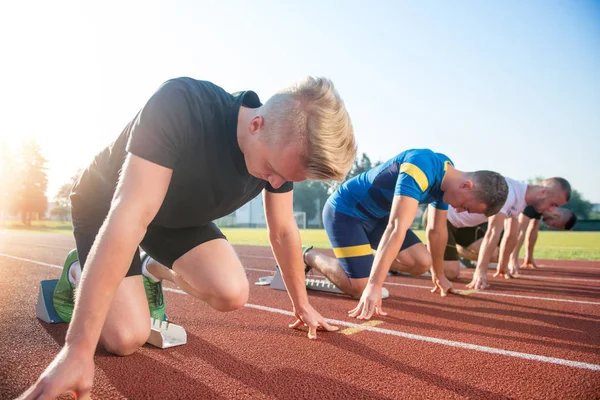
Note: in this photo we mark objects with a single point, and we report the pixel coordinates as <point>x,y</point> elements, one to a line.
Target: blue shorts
<point>353,240</point>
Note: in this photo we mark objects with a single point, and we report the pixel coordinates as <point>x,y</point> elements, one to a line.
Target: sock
<point>145,271</point>
<point>75,273</point>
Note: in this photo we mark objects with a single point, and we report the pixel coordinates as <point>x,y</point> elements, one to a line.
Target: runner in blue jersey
<point>374,210</point>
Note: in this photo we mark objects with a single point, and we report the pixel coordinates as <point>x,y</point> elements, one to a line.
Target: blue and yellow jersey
<point>416,173</point>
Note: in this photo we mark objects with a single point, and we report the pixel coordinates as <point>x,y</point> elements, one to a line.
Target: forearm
<point>488,246</point>
<point>388,249</point>
<point>436,243</point>
<point>286,247</point>
<point>106,266</point>
<point>507,248</point>
<point>531,239</point>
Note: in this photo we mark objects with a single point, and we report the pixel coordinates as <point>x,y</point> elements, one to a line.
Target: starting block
<point>163,334</point>
<point>44,307</point>
<point>321,285</point>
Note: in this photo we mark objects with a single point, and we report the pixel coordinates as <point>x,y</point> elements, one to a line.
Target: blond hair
<point>312,114</point>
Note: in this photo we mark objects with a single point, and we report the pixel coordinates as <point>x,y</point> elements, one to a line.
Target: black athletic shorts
<point>165,245</point>
<point>462,236</point>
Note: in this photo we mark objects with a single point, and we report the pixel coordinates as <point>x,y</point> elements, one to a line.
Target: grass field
<point>550,245</point>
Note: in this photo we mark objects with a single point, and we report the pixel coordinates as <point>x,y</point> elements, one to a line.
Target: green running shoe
<point>64,292</point>
<point>154,293</point>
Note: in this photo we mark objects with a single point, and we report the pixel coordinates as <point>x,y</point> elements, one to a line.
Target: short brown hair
<point>561,183</point>
<point>490,188</point>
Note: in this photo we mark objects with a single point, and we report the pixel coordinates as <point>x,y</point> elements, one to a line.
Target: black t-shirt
<point>189,126</point>
<point>530,212</point>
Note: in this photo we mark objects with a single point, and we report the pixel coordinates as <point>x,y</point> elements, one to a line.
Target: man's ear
<point>256,124</point>
<point>466,185</point>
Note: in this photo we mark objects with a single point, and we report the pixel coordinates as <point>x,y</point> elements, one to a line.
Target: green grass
<point>40,226</point>
<point>550,245</point>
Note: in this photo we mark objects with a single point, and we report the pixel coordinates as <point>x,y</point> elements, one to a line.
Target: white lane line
<point>545,278</point>
<point>451,343</point>
<point>259,270</point>
<point>261,257</point>
<point>31,261</point>
<point>541,278</point>
<point>487,293</point>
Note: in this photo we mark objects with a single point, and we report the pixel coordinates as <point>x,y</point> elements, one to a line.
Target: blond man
<point>194,153</point>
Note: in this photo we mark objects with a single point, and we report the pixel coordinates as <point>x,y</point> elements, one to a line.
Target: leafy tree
<point>310,197</point>
<point>581,207</point>
<point>7,181</point>
<point>361,165</point>
<point>31,197</point>
<point>62,202</point>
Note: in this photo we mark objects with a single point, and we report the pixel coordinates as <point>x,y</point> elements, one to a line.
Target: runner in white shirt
<point>546,196</point>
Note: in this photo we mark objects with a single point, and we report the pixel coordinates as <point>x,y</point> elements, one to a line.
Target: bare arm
<point>437,239</point>
<point>530,239</point>
<point>488,246</point>
<point>402,215</point>
<point>286,244</point>
<point>522,227</point>
<point>140,192</point>
<point>511,233</point>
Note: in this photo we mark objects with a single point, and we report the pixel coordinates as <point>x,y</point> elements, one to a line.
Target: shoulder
<point>195,88</point>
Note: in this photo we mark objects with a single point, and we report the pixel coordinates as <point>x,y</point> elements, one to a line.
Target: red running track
<point>536,337</point>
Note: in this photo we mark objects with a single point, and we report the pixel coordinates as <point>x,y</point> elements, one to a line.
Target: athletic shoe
<point>466,263</point>
<point>154,293</point>
<point>384,293</point>
<point>64,293</point>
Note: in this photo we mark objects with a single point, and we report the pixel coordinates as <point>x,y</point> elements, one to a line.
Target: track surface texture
<point>536,337</point>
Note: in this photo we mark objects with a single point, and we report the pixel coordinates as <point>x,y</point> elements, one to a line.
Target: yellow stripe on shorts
<point>353,251</point>
<point>418,175</point>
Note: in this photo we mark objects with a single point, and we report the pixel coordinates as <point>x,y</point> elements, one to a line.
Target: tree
<point>32,181</point>
<point>361,165</point>
<point>581,207</point>
<point>310,197</point>
<point>7,180</point>
<point>62,202</point>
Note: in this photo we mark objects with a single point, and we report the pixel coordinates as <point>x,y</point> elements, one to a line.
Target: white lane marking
<point>487,293</point>
<point>545,278</point>
<point>31,261</point>
<point>451,343</point>
<point>261,257</point>
<point>259,270</point>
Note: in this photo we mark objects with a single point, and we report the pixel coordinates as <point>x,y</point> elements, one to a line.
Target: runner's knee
<point>451,270</point>
<point>124,341</point>
<point>232,296</point>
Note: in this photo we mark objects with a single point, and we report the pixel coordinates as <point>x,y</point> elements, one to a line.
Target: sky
<point>511,86</point>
